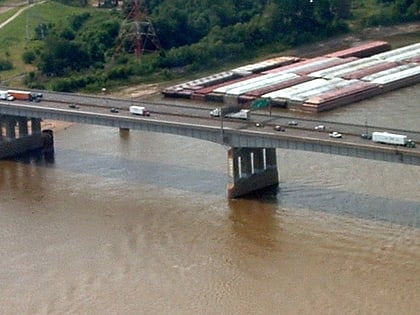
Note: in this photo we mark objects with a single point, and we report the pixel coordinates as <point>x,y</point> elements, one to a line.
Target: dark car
<point>74,106</point>
<point>279,128</point>
<point>114,110</point>
<point>366,136</point>
<point>292,123</point>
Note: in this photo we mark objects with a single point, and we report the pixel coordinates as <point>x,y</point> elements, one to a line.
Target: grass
<point>365,8</point>
<point>16,36</point>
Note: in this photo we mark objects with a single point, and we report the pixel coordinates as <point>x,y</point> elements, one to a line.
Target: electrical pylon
<point>137,33</point>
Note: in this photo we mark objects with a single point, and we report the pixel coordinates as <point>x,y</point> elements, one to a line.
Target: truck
<point>242,114</point>
<point>139,110</point>
<point>391,138</point>
<point>4,95</point>
<point>21,95</point>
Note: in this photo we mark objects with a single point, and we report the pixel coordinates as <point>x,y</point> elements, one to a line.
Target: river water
<point>139,223</point>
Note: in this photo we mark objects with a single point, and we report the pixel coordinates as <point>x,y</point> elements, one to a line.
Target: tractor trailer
<point>391,138</point>
<point>242,114</point>
<point>21,95</point>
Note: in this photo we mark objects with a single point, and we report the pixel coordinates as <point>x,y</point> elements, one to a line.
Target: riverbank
<point>55,125</point>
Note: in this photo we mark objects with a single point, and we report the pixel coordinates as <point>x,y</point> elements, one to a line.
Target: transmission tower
<point>137,33</point>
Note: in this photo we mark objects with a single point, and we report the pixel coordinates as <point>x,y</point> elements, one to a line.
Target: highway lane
<point>199,114</point>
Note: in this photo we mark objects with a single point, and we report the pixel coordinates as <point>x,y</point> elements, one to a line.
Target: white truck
<point>391,138</point>
<point>242,114</point>
<point>4,95</point>
<point>139,110</point>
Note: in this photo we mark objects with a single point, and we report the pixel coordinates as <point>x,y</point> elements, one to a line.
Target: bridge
<point>252,163</point>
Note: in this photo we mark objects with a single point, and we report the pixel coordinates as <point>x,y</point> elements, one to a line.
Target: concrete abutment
<point>250,170</point>
<point>19,135</point>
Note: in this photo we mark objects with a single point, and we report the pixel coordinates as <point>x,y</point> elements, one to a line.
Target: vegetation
<point>67,45</point>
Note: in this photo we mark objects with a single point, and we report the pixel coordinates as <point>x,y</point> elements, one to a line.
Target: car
<point>215,112</point>
<point>366,136</point>
<point>74,106</point>
<point>292,123</point>
<point>320,127</point>
<point>10,98</point>
<point>258,124</point>
<point>114,110</point>
<point>279,128</point>
<point>335,134</point>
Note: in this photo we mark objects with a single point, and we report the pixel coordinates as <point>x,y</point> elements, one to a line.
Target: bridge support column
<point>36,125</point>
<point>23,127</point>
<point>250,170</point>
<point>10,123</point>
<point>12,144</point>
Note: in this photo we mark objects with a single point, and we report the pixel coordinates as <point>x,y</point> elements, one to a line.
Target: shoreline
<point>55,125</point>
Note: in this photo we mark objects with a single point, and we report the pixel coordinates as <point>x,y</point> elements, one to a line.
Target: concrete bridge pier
<point>23,126</point>
<point>9,123</point>
<point>250,170</point>
<point>35,125</point>
<point>15,141</point>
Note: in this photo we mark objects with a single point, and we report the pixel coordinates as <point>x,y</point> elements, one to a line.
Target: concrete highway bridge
<point>252,162</point>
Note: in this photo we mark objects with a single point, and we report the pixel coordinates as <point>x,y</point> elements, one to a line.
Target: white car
<point>335,134</point>
<point>320,127</point>
<point>215,112</point>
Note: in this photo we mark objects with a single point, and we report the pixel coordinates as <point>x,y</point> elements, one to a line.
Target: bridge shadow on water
<point>286,195</point>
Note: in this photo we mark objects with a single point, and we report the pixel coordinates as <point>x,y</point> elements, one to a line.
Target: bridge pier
<point>16,139</point>
<point>250,170</point>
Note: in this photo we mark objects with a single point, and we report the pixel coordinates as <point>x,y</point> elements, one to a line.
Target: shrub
<point>5,65</point>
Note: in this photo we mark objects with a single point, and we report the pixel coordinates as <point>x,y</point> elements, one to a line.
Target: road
<point>199,115</point>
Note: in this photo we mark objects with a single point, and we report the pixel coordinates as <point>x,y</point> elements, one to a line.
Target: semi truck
<point>139,110</point>
<point>391,138</point>
<point>242,114</point>
<point>21,95</point>
<point>4,95</point>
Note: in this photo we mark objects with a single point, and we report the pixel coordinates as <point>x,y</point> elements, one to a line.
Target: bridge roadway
<point>194,121</point>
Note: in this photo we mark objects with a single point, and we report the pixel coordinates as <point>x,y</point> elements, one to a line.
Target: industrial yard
<point>310,84</point>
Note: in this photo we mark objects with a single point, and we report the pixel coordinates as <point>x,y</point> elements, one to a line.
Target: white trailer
<point>390,138</point>
<point>139,110</point>
<point>242,114</point>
